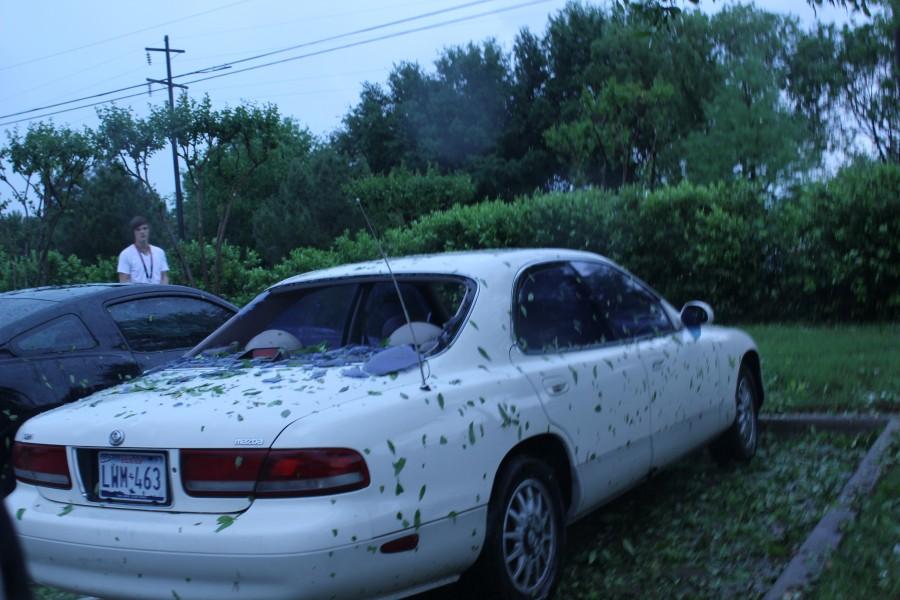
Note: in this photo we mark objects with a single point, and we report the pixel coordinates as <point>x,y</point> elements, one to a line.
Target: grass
<point>853,368</point>
<point>45,593</point>
<point>698,530</point>
<point>867,563</point>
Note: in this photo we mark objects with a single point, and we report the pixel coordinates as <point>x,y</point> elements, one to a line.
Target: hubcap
<point>529,536</point>
<point>746,413</point>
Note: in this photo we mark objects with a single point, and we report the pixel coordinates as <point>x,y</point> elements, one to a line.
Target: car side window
<point>63,334</point>
<point>553,311</point>
<point>629,310</point>
<point>167,322</point>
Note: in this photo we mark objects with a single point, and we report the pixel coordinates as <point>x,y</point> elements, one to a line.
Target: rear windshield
<point>13,309</point>
<point>349,313</point>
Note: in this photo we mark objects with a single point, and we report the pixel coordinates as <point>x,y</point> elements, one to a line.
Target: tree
<point>226,147</point>
<point>814,79</point>
<point>312,206</point>
<point>371,131</point>
<point>130,143</point>
<point>52,164</point>
<point>750,131</point>
<point>97,225</point>
<point>624,124</point>
<point>868,92</point>
<point>245,195</point>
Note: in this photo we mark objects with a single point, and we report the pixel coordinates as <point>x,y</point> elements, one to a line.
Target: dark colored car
<point>58,344</point>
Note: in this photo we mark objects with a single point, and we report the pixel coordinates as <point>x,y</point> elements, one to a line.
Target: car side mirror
<point>696,313</point>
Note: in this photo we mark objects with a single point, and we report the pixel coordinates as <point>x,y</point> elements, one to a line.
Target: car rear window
<point>351,313</point>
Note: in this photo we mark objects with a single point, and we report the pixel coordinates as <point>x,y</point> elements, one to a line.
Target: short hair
<point>138,222</point>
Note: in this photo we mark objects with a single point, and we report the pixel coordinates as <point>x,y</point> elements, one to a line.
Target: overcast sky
<point>52,51</point>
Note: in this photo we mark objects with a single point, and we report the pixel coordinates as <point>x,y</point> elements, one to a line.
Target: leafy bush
<point>840,246</point>
<point>828,251</point>
<point>397,199</point>
<point>236,263</point>
<point>17,272</point>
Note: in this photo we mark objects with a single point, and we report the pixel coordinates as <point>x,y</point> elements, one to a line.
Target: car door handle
<point>555,386</point>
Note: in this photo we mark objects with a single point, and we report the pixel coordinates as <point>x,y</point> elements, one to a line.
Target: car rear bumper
<point>142,554</point>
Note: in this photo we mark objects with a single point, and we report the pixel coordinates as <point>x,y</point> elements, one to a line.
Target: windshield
<point>346,314</point>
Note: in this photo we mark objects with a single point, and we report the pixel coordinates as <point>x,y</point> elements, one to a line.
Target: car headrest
<point>426,334</point>
<point>272,341</point>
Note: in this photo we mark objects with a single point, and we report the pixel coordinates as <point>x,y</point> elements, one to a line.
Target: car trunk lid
<point>152,420</point>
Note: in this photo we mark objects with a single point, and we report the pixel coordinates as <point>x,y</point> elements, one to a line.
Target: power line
<point>290,59</point>
<point>119,37</point>
<point>372,40</point>
<point>340,36</point>
<point>72,74</point>
<point>65,110</point>
<point>306,20</point>
<point>228,65</point>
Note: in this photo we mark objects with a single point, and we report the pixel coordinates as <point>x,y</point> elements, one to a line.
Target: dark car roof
<point>53,298</point>
<point>60,293</point>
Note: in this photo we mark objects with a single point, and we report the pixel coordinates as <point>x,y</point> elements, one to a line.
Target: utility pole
<point>179,202</point>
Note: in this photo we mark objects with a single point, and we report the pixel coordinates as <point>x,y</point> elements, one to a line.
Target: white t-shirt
<point>143,268</point>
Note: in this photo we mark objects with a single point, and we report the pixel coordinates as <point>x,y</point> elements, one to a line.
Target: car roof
<point>59,293</point>
<point>77,292</point>
<point>473,263</point>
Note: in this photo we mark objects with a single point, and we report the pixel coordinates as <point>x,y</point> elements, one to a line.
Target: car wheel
<point>740,440</point>
<point>522,555</point>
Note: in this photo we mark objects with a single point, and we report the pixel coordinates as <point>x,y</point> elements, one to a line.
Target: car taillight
<point>221,472</point>
<point>312,472</point>
<point>42,464</point>
<point>275,473</point>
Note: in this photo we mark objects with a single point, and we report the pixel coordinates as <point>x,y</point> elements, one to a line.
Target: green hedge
<point>827,251</point>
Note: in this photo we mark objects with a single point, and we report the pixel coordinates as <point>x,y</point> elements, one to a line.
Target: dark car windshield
<point>13,309</point>
<point>349,313</point>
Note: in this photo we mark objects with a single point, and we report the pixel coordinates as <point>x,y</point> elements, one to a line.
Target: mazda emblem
<point>116,437</point>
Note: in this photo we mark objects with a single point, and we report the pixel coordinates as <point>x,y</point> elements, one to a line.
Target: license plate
<point>133,476</point>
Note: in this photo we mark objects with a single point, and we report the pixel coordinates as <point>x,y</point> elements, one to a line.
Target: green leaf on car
<point>224,521</point>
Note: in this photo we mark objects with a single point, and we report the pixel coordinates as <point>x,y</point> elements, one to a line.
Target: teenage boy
<point>140,262</point>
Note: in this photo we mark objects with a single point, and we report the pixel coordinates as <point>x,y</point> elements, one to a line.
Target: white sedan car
<point>330,441</point>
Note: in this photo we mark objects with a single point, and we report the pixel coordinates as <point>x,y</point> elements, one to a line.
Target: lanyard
<point>143,264</point>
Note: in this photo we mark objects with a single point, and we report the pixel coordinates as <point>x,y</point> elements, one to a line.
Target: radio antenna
<point>412,333</point>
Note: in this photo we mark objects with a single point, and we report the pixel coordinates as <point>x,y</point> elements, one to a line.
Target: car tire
<point>522,555</point>
<point>740,440</point>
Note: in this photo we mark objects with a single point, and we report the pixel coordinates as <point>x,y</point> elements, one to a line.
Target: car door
<point>592,386</point>
<point>160,328</point>
<point>687,405</point>
<point>683,381</point>
<point>63,361</point>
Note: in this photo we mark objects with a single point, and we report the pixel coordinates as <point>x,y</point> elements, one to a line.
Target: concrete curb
<point>807,564</point>
<point>847,423</point>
